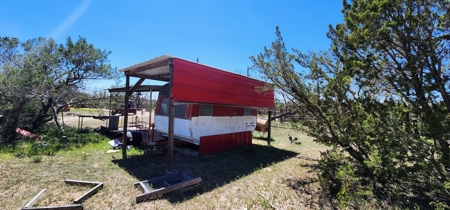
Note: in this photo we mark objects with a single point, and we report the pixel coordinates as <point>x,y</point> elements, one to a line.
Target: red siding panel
<point>195,110</point>
<point>219,143</point>
<point>198,83</point>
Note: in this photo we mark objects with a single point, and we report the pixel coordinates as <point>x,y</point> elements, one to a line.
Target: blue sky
<point>222,34</point>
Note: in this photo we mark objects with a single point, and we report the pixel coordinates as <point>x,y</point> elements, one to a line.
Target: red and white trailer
<point>213,127</point>
<point>203,105</point>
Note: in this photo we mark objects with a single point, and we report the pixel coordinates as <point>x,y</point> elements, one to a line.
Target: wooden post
<point>275,110</point>
<point>151,109</point>
<point>125,119</point>
<point>281,112</point>
<point>150,115</point>
<point>109,113</point>
<point>270,127</point>
<point>171,126</point>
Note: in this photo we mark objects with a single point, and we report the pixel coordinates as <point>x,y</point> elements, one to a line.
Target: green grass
<point>256,177</point>
<point>53,141</point>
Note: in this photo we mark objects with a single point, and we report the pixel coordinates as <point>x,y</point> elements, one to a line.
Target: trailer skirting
<point>223,142</point>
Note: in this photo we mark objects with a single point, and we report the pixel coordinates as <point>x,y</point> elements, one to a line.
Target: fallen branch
<point>283,114</point>
<point>270,202</point>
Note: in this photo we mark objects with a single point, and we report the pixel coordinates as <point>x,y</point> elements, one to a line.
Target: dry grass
<point>257,177</point>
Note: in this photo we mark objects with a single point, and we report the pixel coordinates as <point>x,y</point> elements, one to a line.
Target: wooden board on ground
<point>178,181</point>
<point>91,192</point>
<point>33,201</point>
<point>78,201</point>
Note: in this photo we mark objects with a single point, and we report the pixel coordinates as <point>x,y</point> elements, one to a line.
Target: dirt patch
<point>89,120</point>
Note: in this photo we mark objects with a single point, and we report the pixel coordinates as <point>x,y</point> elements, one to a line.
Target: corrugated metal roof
<point>198,83</point>
<point>147,62</point>
<point>158,68</point>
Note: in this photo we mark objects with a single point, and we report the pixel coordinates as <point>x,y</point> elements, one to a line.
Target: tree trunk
<point>42,117</point>
<point>55,117</point>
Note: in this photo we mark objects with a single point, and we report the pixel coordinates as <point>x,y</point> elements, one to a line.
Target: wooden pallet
<point>77,202</point>
<point>181,181</point>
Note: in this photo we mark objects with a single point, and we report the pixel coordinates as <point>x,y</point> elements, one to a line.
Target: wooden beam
<point>189,188</point>
<point>164,190</point>
<point>138,83</point>
<point>144,187</point>
<point>65,207</point>
<point>88,194</point>
<point>83,183</point>
<point>160,77</point>
<point>171,136</point>
<point>281,115</point>
<point>150,116</point>
<point>184,174</point>
<point>34,200</point>
<point>109,112</point>
<point>125,120</point>
<point>29,205</point>
<point>91,192</point>
<point>171,124</point>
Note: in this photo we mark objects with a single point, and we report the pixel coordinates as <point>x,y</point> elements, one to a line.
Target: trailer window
<point>206,110</point>
<point>248,111</point>
<point>164,111</point>
<point>180,110</point>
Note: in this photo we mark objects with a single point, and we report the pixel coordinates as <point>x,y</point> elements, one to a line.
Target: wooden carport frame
<point>160,68</point>
<point>141,88</point>
<point>138,72</point>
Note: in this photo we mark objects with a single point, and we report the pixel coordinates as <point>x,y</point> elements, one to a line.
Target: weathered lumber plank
<point>78,182</point>
<point>88,194</point>
<point>145,187</point>
<point>34,200</point>
<point>91,192</point>
<point>164,190</point>
<point>189,188</point>
<point>66,207</point>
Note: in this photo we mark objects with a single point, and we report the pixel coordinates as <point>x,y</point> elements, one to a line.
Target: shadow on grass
<point>263,138</point>
<point>409,195</point>
<point>216,170</point>
<point>308,186</point>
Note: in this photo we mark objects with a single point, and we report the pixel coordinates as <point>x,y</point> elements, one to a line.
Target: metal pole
<point>125,119</point>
